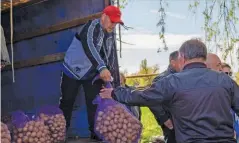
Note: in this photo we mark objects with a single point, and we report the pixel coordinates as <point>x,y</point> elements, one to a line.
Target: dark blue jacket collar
<point>194,65</point>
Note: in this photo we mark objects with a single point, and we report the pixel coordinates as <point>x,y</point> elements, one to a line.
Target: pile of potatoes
<point>5,134</point>
<point>32,132</point>
<point>56,124</point>
<point>116,125</point>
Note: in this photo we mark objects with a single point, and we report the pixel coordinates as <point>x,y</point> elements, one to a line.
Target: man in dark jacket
<point>199,99</point>
<point>87,56</point>
<point>169,134</point>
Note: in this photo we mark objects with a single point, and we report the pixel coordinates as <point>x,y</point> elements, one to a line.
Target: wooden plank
<point>18,4</point>
<point>142,75</point>
<point>55,28</point>
<point>37,61</point>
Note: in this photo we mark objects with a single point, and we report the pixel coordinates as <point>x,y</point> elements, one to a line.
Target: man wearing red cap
<point>87,56</point>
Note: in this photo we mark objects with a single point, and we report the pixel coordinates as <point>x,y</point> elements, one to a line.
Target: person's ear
<point>172,63</point>
<point>103,17</point>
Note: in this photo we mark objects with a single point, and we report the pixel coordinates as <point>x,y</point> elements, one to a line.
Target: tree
<point>143,69</point>
<point>237,78</point>
<point>220,20</point>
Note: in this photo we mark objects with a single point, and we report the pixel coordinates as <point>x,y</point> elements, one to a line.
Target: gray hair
<point>173,56</point>
<point>193,49</point>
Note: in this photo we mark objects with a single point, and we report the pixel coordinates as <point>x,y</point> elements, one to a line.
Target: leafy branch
<point>162,23</point>
<point>221,31</point>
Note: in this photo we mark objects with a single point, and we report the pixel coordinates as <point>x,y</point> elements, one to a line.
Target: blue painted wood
<point>48,13</point>
<point>40,85</point>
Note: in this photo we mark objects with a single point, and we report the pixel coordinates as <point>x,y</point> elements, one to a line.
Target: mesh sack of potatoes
<point>114,123</point>
<point>5,134</point>
<point>26,130</point>
<point>54,119</point>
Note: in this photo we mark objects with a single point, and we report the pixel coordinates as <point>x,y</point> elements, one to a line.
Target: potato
<point>114,127</point>
<point>110,128</point>
<point>19,140</point>
<point>124,139</point>
<point>33,134</point>
<point>20,135</point>
<point>124,126</point>
<point>100,113</point>
<point>120,125</point>
<point>25,139</point>
<point>106,122</point>
<point>30,128</point>
<point>125,121</point>
<point>35,140</point>
<point>5,134</point>
<point>114,134</point>
<point>119,136</point>
<point>118,141</point>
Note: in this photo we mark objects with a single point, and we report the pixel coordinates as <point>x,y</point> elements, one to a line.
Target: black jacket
<point>164,74</point>
<point>159,112</point>
<point>134,109</point>
<point>199,100</point>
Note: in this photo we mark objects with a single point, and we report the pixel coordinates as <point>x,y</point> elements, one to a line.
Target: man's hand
<point>105,75</point>
<point>169,124</point>
<point>106,92</point>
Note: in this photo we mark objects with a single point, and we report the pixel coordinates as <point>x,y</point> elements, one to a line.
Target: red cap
<point>114,14</point>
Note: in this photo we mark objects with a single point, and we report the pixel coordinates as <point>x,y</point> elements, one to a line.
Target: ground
<point>151,127</point>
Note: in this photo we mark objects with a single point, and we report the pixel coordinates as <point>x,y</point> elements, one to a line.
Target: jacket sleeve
<point>160,76</point>
<point>160,114</point>
<point>159,92</point>
<point>89,37</point>
<point>235,98</point>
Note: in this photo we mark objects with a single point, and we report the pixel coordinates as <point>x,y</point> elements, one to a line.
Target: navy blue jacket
<point>89,52</point>
<point>159,112</point>
<point>199,100</point>
<point>134,109</point>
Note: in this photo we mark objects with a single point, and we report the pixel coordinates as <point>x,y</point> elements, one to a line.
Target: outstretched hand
<point>105,75</point>
<point>106,92</point>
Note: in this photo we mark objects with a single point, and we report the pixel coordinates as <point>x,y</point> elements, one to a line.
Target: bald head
<point>213,62</point>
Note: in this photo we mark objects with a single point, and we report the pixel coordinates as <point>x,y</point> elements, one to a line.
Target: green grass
<point>150,126</point>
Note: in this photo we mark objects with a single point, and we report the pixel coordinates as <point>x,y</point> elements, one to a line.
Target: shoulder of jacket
<point>163,74</point>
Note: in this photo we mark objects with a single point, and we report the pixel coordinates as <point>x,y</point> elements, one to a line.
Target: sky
<point>143,16</point>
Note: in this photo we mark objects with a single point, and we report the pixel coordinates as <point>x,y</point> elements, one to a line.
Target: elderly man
<point>198,98</point>
<point>226,68</point>
<point>163,115</point>
<point>87,56</point>
<point>213,62</point>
